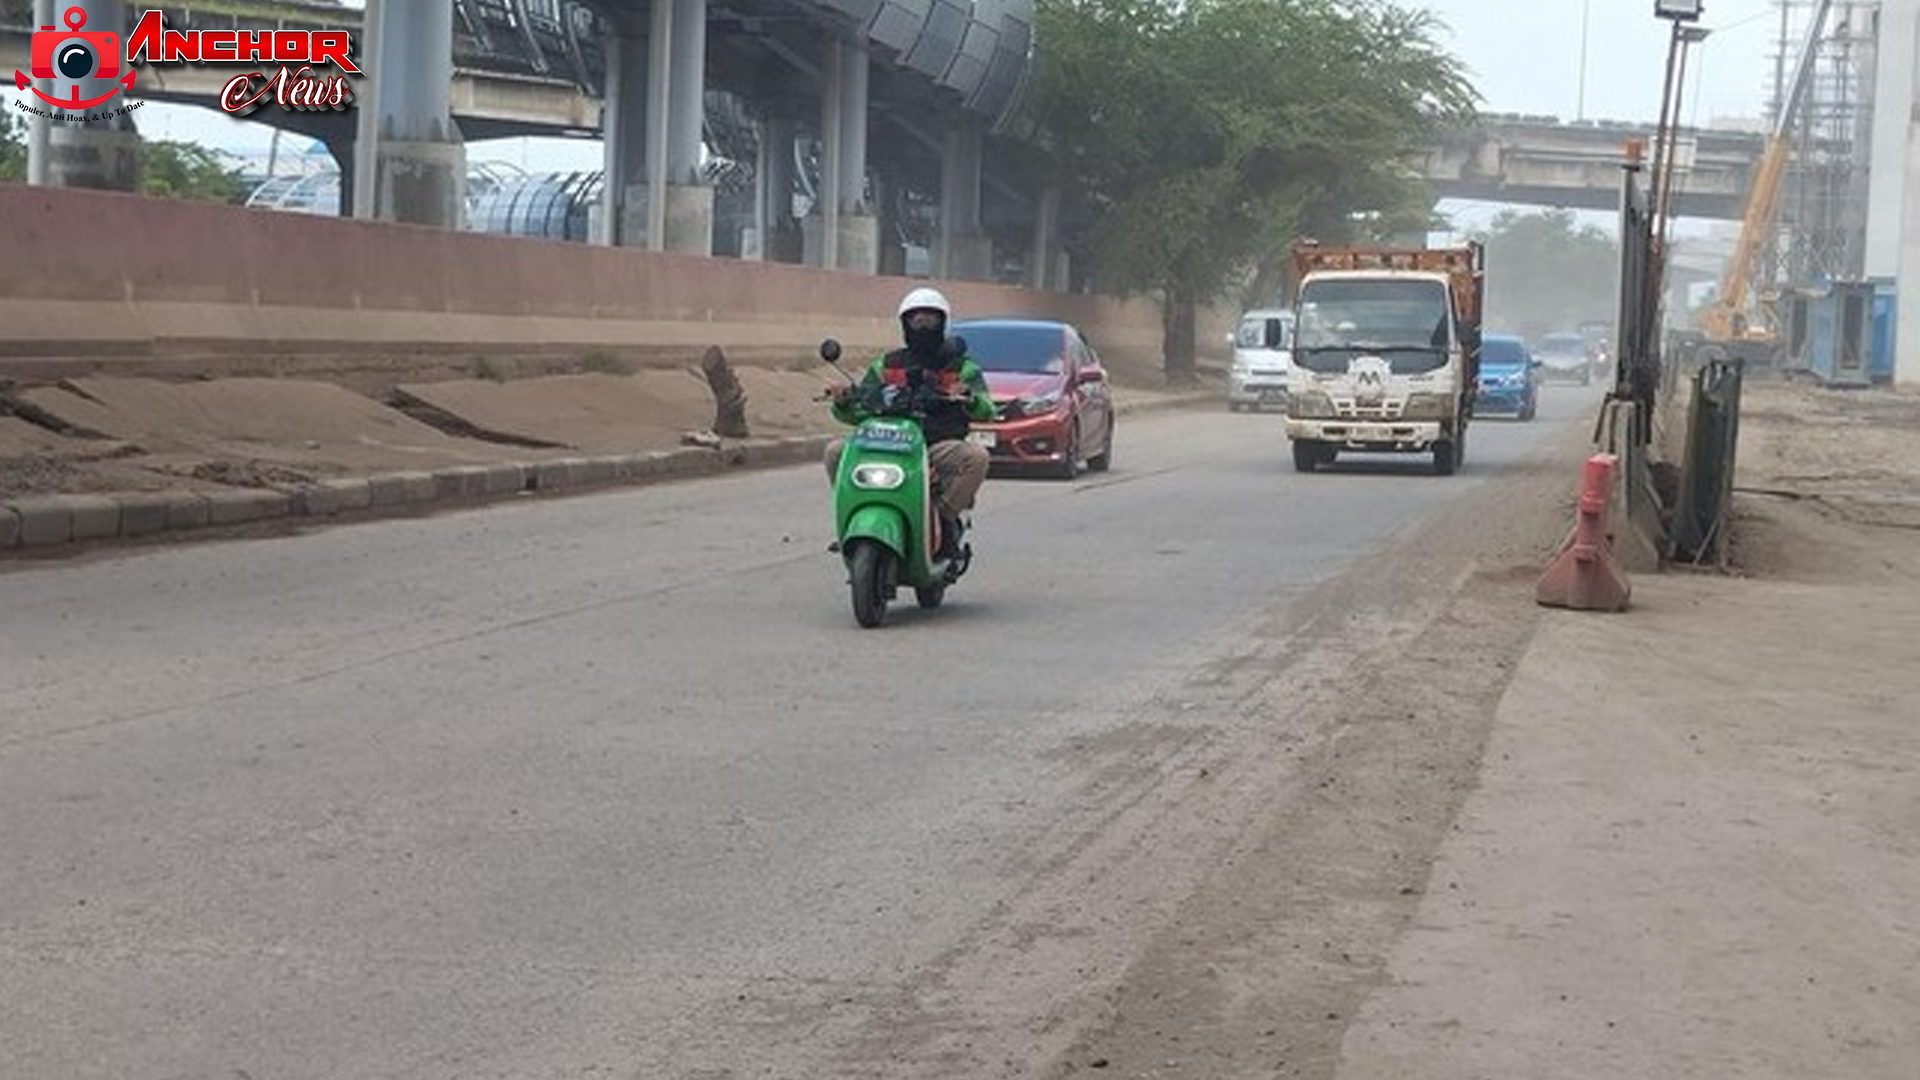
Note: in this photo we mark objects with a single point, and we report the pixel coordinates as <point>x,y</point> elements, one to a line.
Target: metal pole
<point>659,122</point>
<point>1663,134</point>
<point>366,98</point>
<point>1673,141</point>
<point>39,129</point>
<point>1580,109</point>
<point>832,132</point>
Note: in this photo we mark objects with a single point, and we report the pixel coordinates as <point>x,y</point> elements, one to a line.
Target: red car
<point>1056,409</point>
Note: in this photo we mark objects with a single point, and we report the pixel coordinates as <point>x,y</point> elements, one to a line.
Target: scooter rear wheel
<point>867,576</point>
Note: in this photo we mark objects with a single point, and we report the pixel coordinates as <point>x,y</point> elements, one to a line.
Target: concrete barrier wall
<point>102,280</point>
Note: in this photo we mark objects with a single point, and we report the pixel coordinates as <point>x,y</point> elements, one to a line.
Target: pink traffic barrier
<point>1586,576</point>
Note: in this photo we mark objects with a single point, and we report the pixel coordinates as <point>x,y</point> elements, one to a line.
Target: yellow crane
<point>1729,317</point>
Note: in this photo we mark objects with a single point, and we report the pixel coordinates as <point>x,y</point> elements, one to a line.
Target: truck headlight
<point>1425,407</point>
<point>878,476</point>
<point>1310,405</point>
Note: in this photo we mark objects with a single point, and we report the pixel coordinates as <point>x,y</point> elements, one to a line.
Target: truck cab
<point>1386,352</point>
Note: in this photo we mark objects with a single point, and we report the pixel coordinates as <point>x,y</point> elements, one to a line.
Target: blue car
<point>1509,377</point>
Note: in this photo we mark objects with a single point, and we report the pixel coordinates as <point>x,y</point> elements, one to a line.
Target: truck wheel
<point>1446,457</point>
<point>1307,455</point>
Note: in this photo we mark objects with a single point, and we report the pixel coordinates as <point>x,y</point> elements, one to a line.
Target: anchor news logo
<point>94,57</point>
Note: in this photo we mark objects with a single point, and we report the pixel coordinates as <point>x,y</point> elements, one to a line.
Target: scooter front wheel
<point>867,576</point>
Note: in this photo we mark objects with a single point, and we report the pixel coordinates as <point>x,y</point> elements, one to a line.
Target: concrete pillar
<point>961,250</point>
<point>623,119</point>
<point>1046,239</point>
<point>891,254</point>
<point>1894,91</point>
<point>843,233</point>
<point>683,221</point>
<point>419,164</point>
<point>778,234</point>
<point>101,154</point>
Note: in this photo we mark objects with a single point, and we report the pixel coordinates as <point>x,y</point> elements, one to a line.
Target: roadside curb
<point>40,522</point>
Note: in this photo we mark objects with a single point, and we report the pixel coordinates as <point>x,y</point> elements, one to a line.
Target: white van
<point>1262,360</point>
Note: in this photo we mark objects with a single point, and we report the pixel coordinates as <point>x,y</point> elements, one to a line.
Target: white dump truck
<point>1386,351</point>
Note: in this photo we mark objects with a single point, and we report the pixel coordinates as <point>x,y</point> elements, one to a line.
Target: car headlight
<point>1425,407</point>
<point>1039,405</point>
<point>1310,405</point>
<point>878,476</point>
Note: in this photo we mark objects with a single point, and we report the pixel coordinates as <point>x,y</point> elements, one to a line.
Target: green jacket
<point>958,394</point>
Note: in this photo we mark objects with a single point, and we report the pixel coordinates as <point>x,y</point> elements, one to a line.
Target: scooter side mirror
<point>829,350</point>
<point>953,348</point>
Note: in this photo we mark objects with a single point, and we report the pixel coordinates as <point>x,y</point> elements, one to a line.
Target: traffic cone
<point>1585,576</point>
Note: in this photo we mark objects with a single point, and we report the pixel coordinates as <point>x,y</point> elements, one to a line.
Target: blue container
<point>1841,339</point>
<point>1885,305</point>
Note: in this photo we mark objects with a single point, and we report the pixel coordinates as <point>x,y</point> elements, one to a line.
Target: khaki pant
<point>960,465</point>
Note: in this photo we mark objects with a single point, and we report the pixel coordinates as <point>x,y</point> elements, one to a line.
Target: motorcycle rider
<point>952,393</point>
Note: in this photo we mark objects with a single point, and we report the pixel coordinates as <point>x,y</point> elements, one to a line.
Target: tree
<point>1204,136</point>
<point>13,149</point>
<point>184,170</point>
<point>1548,273</point>
<point>173,170</point>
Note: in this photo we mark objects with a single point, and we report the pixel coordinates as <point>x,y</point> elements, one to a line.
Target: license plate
<point>983,438</point>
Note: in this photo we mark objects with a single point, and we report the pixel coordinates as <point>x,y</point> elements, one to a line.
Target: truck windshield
<point>1403,321</point>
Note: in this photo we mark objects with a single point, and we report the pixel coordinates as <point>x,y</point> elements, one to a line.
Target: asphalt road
<point>612,786</point>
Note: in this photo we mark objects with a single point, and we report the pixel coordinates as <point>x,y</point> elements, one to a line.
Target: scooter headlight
<point>878,476</point>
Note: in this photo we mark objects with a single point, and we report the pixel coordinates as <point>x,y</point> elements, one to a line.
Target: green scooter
<point>883,497</point>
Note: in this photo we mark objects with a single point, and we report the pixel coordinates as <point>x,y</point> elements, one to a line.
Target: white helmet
<point>926,300</point>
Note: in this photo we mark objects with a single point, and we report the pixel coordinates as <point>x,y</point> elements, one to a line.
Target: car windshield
<point>1263,332</point>
<point>1562,345</point>
<point>1031,348</point>
<point>1403,321</point>
<point>1495,350</point>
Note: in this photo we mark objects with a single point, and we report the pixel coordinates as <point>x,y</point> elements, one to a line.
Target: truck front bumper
<point>1385,435</point>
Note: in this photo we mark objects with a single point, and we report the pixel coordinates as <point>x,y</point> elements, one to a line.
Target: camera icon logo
<point>76,55</point>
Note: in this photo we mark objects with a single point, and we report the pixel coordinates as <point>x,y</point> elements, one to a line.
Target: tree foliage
<point>1205,135</point>
<point>1554,274</point>
<point>172,170</point>
<point>185,170</point>
<point>13,149</point>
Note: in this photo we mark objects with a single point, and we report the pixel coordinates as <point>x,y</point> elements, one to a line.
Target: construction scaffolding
<point>1822,220</point>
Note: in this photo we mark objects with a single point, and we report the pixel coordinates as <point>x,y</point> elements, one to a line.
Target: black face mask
<point>924,343</point>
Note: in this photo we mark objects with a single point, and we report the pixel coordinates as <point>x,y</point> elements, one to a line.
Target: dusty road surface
<point>612,786</point>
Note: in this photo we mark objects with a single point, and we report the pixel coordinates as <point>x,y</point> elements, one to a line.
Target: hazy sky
<point>1525,56</point>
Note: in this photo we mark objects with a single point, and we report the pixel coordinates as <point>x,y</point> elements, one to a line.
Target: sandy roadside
<point>1692,849</point>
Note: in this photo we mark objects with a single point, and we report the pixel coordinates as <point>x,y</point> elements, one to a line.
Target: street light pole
<point>1580,106</point>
